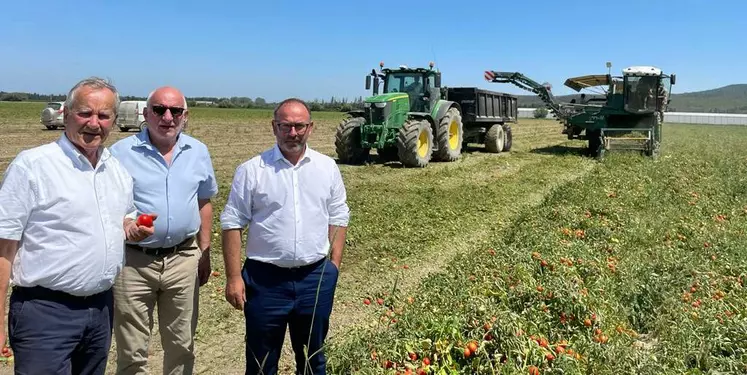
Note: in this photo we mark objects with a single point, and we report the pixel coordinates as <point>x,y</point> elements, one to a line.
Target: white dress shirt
<point>288,208</point>
<point>68,217</point>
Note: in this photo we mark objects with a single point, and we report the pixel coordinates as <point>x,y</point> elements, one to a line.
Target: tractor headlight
<point>380,104</point>
<point>366,105</point>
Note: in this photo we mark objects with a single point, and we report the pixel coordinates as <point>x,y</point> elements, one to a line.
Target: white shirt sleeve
<point>339,212</point>
<point>18,196</point>
<point>238,210</point>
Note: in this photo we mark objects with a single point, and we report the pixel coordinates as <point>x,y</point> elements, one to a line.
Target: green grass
<point>424,232</point>
<point>639,234</point>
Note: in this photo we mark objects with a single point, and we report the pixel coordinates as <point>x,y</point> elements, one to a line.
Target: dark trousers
<point>53,332</point>
<point>278,297</point>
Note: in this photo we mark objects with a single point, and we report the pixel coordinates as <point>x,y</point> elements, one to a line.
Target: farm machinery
<point>415,120</point>
<point>627,116</point>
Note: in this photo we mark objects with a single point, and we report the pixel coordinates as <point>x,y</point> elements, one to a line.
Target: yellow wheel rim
<point>423,144</point>
<point>453,134</point>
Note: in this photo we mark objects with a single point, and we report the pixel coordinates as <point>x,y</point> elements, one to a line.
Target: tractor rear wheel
<point>507,138</point>
<point>348,141</point>
<point>415,143</point>
<point>494,138</point>
<point>450,136</point>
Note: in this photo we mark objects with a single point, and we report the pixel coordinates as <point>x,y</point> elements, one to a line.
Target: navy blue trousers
<point>278,297</point>
<point>53,332</point>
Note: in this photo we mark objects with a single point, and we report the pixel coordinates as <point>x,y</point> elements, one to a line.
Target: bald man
<point>173,178</point>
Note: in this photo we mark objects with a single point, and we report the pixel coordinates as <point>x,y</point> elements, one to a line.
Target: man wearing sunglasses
<point>293,200</point>
<point>174,179</point>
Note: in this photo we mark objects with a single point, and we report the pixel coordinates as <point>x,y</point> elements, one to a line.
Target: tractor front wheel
<point>494,138</point>
<point>348,141</point>
<point>415,143</point>
<point>450,136</point>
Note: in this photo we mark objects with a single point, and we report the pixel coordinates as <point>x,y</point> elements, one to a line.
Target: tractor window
<point>640,94</point>
<point>405,82</point>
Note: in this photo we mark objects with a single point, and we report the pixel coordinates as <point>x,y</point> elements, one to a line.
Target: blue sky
<point>278,49</point>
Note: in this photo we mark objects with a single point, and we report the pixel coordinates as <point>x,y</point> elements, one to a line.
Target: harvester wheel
<point>450,136</point>
<point>348,141</point>
<point>507,138</point>
<point>494,138</point>
<point>596,144</point>
<point>415,143</point>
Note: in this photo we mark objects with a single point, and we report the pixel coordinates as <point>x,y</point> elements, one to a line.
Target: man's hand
<point>137,233</point>
<point>204,268</point>
<point>235,293</point>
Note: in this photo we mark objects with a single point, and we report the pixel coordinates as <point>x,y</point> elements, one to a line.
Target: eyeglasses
<point>299,127</point>
<point>161,110</point>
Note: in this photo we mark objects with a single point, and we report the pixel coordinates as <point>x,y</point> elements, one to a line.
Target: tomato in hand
<point>145,220</point>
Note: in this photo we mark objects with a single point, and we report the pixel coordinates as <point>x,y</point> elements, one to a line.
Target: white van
<point>131,115</point>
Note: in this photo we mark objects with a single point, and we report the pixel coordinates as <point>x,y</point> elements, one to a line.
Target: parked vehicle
<point>131,115</point>
<point>51,115</point>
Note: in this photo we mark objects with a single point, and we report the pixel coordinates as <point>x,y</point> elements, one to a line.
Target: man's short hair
<point>288,101</point>
<point>95,83</point>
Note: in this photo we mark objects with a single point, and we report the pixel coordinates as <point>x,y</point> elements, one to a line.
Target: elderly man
<point>62,225</point>
<point>174,178</point>
<point>293,199</point>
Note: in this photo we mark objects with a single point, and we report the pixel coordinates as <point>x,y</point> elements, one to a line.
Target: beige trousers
<point>169,282</point>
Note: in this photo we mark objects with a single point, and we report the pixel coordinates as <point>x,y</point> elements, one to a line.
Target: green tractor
<point>414,121</point>
<point>631,105</point>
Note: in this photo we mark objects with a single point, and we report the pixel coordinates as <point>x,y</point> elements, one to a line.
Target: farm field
<point>539,257</point>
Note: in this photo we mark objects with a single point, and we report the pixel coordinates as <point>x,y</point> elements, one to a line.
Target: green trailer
<point>627,116</point>
<point>414,120</point>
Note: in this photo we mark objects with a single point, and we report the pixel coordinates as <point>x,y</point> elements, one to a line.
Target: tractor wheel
<point>450,136</point>
<point>655,143</point>
<point>143,125</point>
<point>348,141</point>
<point>494,138</point>
<point>507,138</point>
<point>596,146</point>
<point>415,143</point>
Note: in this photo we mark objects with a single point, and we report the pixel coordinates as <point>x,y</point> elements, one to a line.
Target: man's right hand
<point>137,233</point>
<point>235,292</point>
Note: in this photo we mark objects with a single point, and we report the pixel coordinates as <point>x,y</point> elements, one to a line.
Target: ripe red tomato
<point>145,220</point>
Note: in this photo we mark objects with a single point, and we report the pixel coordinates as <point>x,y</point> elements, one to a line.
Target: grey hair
<point>150,97</point>
<point>95,83</point>
<point>291,100</point>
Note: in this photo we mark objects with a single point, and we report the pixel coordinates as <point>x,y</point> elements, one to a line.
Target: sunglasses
<point>161,110</point>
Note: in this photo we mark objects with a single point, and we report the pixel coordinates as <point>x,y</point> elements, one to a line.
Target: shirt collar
<point>277,155</point>
<point>77,157</point>
<point>142,139</point>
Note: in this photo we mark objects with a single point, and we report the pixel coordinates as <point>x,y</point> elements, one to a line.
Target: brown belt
<point>161,251</point>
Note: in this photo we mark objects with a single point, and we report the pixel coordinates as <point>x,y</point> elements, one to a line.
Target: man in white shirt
<point>294,202</point>
<point>62,232</point>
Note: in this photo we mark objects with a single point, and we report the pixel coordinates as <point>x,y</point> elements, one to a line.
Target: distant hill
<point>727,99</point>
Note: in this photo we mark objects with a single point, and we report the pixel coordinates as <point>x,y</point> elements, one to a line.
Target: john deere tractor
<point>632,105</point>
<point>414,121</point>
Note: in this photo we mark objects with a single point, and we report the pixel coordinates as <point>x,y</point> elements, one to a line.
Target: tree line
<point>333,104</point>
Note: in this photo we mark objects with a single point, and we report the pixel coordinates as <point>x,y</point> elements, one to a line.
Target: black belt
<point>161,251</point>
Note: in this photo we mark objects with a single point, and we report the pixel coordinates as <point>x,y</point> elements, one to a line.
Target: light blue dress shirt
<point>169,191</point>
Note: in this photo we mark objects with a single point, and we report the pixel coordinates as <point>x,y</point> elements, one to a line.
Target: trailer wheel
<point>450,136</point>
<point>415,143</point>
<point>123,129</point>
<point>507,138</point>
<point>348,141</point>
<point>494,138</point>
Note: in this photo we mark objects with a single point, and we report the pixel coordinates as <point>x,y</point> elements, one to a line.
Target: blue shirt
<point>169,191</point>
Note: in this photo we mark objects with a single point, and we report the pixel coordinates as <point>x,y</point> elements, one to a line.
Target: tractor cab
<point>646,89</point>
<point>421,85</point>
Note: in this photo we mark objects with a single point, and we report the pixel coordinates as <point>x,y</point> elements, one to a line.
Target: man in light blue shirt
<point>173,178</point>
